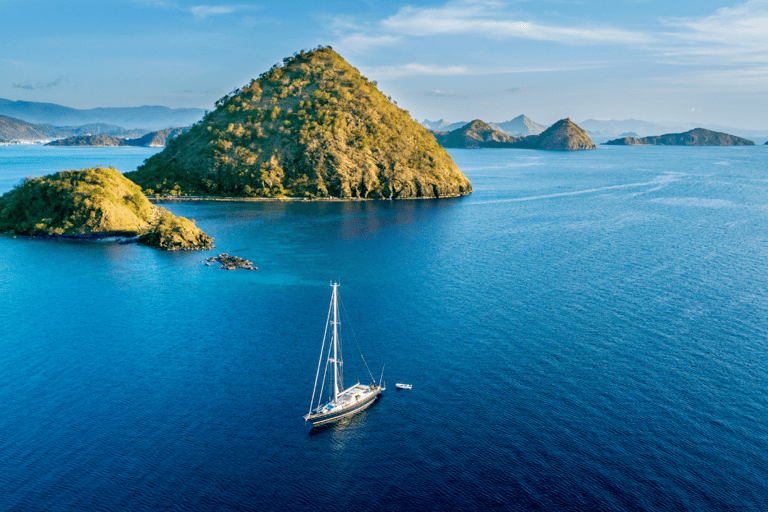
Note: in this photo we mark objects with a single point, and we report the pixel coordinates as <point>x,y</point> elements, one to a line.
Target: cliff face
<point>313,127</point>
<point>695,137</point>
<point>564,135</point>
<point>93,202</point>
<point>476,134</point>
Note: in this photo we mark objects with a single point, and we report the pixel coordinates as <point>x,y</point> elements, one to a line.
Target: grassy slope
<point>313,127</point>
<point>95,201</point>
<point>74,203</point>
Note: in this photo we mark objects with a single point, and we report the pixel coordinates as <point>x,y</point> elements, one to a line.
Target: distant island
<point>477,134</point>
<point>312,127</point>
<point>521,126</point>
<point>695,137</point>
<point>93,141</point>
<point>12,129</point>
<point>95,203</point>
<point>152,139</point>
<point>144,117</point>
<point>564,135</point>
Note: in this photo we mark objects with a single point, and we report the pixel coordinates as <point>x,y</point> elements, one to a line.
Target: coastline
<point>171,199</point>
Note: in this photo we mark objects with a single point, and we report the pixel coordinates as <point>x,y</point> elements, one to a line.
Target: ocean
<point>585,331</point>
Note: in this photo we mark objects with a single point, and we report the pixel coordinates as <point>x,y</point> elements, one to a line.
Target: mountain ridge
<point>150,117</point>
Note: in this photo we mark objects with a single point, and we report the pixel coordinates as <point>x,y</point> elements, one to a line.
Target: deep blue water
<point>586,331</point>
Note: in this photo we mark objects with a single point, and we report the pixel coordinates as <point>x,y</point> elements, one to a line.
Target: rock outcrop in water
<point>695,137</point>
<point>229,262</point>
<point>94,203</point>
<point>312,128</point>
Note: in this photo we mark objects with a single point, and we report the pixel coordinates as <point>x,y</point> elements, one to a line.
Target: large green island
<point>95,203</point>
<point>313,128</point>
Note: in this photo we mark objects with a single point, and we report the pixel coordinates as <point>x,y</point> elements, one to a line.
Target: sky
<point>697,61</point>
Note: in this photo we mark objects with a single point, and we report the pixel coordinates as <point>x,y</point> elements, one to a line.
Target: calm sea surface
<point>586,331</point>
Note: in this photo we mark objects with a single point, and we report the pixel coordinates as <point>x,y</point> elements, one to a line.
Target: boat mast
<point>335,345</point>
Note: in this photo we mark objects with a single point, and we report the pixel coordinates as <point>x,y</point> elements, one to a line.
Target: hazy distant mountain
<point>636,128</point>
<point>613,128</point>
<point>520,126</point>
<point>12,129</point>
<point>442,125</point>
<point>149,117</point>
<point>695,137</point>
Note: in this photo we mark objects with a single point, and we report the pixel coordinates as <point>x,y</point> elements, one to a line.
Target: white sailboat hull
<point>350,401</point>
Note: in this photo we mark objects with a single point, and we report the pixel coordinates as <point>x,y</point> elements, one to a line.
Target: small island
<point>150,140</point>
<point>695,137</point>
<point>95,203</point>
<point>90,141</point>
<point>564,135</point>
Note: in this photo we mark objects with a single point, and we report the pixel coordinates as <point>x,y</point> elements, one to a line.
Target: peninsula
<point>695,137</point>
<point>312,127</point>
<point>95,203</point>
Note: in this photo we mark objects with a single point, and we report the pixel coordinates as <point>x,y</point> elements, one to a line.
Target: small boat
<point>403,386</point>
<point>341,402</point>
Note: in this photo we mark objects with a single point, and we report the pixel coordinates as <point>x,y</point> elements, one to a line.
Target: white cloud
<point>753,79</point>
<point>732,34</point>
<point>414,69</point>
<point>203,11</point>
<point>488,19</point>
<point>356,43</point>
<point>438,92</point>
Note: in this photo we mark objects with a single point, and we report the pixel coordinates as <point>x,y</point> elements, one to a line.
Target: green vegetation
<point>476,134</point>
<point>91,202</point>
<point>564,135</point>
<point>695,137</point>
<point>156,139</point>
<point>173,233</point>
<point>310,127</point>
<point>89,141</point>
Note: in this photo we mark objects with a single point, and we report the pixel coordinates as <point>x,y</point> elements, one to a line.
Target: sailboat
<point>340,402</point>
